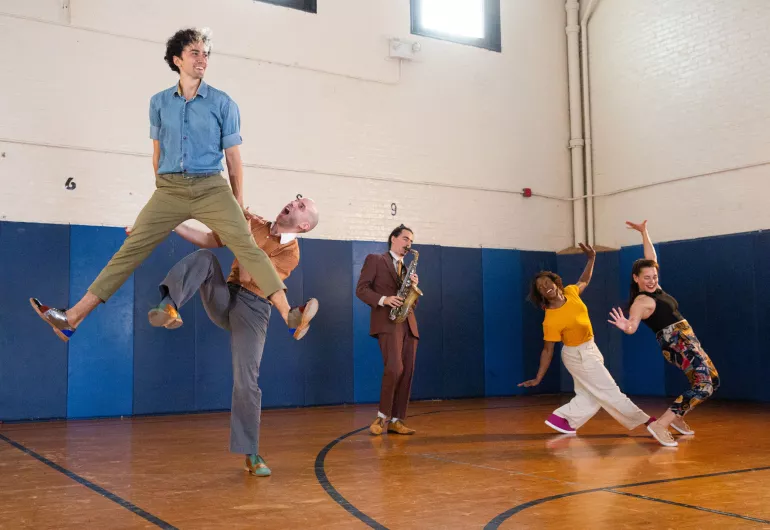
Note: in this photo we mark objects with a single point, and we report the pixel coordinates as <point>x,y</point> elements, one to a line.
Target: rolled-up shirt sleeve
<point>231,125</point>
<point>154,119</point>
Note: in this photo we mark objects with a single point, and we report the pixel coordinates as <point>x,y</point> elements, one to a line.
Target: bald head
<point>299,216</point>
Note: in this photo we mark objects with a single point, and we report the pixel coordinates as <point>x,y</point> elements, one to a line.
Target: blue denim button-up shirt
<point>193,134</point>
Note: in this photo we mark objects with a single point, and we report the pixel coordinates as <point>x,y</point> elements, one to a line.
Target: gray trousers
<point>246,316</point>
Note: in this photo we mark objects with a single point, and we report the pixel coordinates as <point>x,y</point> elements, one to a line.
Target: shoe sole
<point>56,330</point>
<point>311,308</point>
<point>161,319</point>
<point>559,429</point>
<point>256,474</point>
<point>661,442</point>
<point>682,431</point>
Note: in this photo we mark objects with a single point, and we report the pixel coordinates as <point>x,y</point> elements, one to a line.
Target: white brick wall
<point>458,116</point>
<point>680,88</point>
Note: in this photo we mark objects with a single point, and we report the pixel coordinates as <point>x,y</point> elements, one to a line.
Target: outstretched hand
<point>588,250</point>
<point>617,319</point>
<point>531,382</point>
<point>251,216</point>
<point>639,227</point>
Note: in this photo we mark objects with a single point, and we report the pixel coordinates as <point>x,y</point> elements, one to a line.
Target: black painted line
<point>690,477</point>
<point>90,485</point>
<point>682,505</point>
<point>323,479</point>
<point>501,518</point>
<point>320,474</point>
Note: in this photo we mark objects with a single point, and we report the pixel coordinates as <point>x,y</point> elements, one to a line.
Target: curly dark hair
<point>182,38</point>
<point>397,232</point>
<point>636,269</point>
<point>534,295</point>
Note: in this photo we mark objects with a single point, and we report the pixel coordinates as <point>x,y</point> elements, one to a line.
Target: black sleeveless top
<point>666,311</point>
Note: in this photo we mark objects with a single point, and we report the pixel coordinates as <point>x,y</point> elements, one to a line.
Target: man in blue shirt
<point>191,124</point>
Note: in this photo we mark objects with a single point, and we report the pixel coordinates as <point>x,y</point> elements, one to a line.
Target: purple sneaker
<point>558,423</point>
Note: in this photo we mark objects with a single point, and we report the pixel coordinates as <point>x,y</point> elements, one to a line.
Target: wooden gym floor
<point>487,463</point>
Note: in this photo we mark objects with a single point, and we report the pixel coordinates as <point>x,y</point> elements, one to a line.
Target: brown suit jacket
<point>378,279</point>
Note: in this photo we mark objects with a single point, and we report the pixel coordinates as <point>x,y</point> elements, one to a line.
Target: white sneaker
<point>681,426</point>
<point>661,434</point>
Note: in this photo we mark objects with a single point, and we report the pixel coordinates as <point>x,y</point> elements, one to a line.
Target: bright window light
<point>463,18</point>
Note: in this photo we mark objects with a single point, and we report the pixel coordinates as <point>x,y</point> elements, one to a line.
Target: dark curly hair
<point>636,269</point>
<point>534,295</point>
<point>397,232</point>
<point>182,38</point>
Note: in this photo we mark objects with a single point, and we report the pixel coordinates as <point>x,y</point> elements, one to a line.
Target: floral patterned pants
<point>683,349</point>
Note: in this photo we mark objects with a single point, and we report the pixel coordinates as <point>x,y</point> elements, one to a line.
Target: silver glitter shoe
<point>56,318</point>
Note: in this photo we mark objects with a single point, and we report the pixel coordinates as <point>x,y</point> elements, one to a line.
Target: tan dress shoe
<point>377,426</point>
<point>398,427</point>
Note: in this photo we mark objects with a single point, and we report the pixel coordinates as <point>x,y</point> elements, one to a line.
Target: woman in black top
<point>660,312</point>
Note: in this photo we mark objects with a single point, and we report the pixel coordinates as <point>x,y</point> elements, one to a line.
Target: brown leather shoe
<point>377,426</point>
<point>398,427</point>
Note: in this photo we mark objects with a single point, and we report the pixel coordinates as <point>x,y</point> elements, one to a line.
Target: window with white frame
<point>471,22</point>
<point>303,5</point>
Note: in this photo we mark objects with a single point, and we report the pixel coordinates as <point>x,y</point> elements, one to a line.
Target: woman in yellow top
<point>566,321</point>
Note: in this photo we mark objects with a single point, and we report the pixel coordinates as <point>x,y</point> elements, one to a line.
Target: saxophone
<point>408,292</point>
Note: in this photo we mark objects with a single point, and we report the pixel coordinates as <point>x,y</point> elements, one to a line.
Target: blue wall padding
<point>33,361</point>
<point>761,316</point>
<point>503,296</point>
<point>328,347</point>
<point>428,372</point>
<point>101,365</point>
<point>479,336</point>
<point>463,322</point>
<point>164,360</point>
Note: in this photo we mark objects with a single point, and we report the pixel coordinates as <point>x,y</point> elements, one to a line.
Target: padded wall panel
<point>101,356</point>
<point>463,321</point>
<point>328,347</point>
<point>164,360</point>
<point>33,361</point>
<point>503,292</point>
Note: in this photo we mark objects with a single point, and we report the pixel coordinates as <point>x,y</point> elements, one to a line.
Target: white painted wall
<point>680,88</point>
<point>317,96</point>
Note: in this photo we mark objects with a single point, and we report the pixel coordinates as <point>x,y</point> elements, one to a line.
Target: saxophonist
<point>381,277</point>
